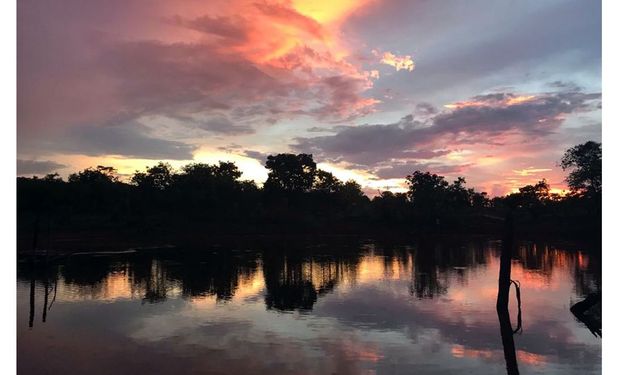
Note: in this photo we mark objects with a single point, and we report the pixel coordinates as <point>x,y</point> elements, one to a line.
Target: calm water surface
<point>363,308</point>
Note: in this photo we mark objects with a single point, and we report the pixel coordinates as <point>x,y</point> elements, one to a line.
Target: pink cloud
<point>247,61</point>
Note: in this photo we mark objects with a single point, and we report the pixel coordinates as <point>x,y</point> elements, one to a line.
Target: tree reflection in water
<point>295,278</point>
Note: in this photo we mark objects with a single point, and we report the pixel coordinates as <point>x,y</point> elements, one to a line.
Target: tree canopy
<point>585,164</point>
<point>290,172</point>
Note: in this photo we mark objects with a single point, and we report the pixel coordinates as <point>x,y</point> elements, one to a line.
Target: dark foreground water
<point>363,308</point>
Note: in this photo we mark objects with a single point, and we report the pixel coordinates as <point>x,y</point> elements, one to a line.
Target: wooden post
<point>32,288</point>
<point>503,294</point>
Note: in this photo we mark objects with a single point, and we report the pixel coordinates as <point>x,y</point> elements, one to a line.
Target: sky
<point>493,90</point>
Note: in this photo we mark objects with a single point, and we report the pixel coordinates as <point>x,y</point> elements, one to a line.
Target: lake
<point>351,307</point>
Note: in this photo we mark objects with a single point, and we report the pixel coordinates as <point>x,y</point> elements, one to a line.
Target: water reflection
<point>356,308</point>
<point>294,280</point>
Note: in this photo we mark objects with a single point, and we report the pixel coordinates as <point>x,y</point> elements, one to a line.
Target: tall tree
<point>290,172</point>
<point>427,191</point>
<point>585,164</point>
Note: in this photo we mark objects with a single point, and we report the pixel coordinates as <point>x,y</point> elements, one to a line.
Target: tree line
<point>298,194</point>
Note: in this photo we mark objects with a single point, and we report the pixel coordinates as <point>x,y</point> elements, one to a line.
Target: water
<point>361,308</point>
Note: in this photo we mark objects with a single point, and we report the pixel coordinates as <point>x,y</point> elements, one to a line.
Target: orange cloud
<point>503,101</point>
<point>531,358</point>
<point>519,99</point>
<point>404,62</point>
<point>459,351</point>
<point>299,42</point>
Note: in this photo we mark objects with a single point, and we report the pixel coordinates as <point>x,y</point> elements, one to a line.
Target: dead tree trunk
<point>503,294</point>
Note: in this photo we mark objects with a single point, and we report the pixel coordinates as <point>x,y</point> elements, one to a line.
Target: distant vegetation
<point>299,197</point>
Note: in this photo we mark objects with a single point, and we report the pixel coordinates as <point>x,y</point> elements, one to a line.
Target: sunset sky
<point>491,90</point>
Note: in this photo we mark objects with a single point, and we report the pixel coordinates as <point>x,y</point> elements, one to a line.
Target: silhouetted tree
<point>433,197</point>
<point>585,163</point>
<point>458,196</point>
<point>53,177</point>
<point>529,196</point>
<point>479,200</point>
<point>97,190</point>
<point>291,173</point>
<point>326,182</point>
<point>208,190</point>
<point>427,191</point>
<point>227,172</point>
<point>158,177</point>
<point>390,207</point>
<point>99,175</point>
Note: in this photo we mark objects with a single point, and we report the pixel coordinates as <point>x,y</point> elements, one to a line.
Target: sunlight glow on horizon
<point>253,169</point>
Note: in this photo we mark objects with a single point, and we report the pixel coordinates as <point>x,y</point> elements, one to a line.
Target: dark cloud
<point>320,129</point>
<point>564,85</point>
<point>260,156</point>
<point>425,109</point>
<point>132,140</point>
<point>341,99</point>
<point>401,170</point>
<point>183,78</point>
<point>184,82</point>
<point>230,28</point>
<point>241,150</point>
<point>481,120</point>
<point>424,154</point>
<point>222,125</point>
<point>28,167</point>
<point>496,114</point>
<point>365,145</point>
